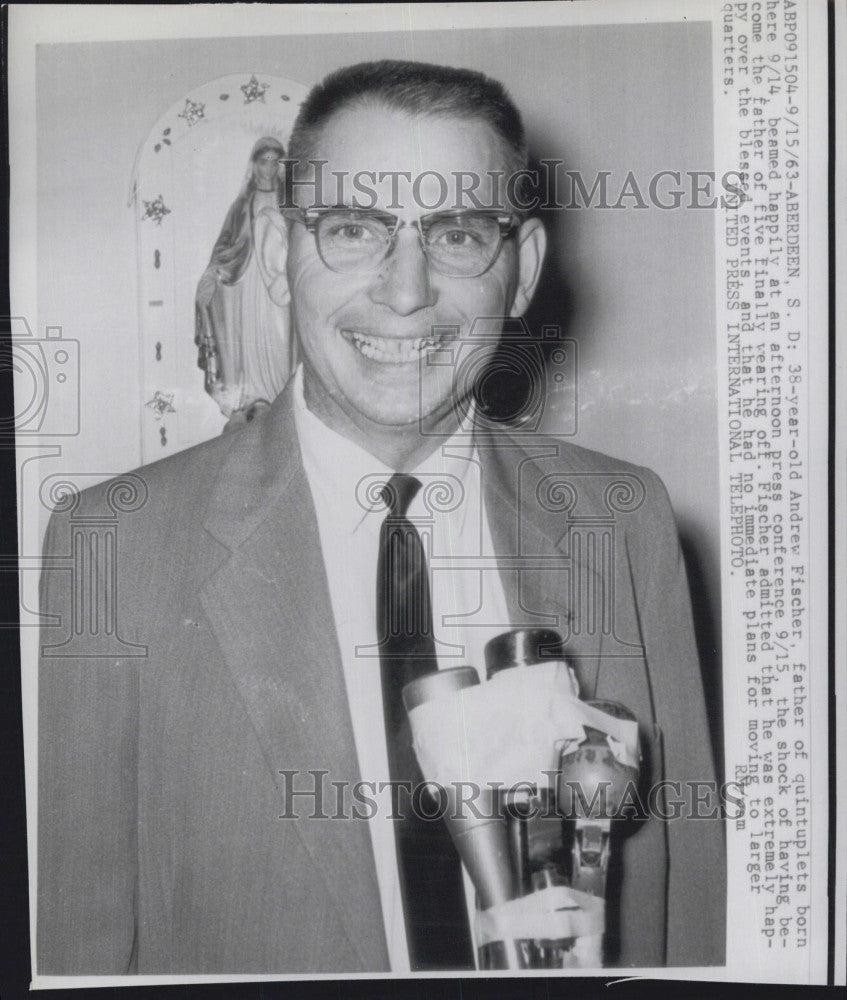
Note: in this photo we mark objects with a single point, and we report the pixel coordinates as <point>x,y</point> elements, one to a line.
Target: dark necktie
<point>430,870</point>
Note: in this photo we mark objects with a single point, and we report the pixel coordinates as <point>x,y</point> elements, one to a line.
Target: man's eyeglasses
<point>461,244</point>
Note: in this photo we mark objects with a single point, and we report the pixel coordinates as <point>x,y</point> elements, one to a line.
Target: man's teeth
<point>391,350</point>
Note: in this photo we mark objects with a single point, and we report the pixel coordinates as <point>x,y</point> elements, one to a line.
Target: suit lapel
<point>539,568</point>
<point>269,605</point>
<point>270,608</point>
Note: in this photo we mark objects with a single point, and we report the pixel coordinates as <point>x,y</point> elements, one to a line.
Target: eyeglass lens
<point>455,245</point>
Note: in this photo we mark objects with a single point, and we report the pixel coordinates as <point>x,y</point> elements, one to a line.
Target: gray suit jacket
<point>193,658</point>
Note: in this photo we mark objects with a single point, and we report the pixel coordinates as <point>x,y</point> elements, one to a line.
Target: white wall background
<point>633,287</point>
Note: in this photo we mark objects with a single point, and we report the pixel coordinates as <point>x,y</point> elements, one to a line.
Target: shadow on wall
<point>509,388</point>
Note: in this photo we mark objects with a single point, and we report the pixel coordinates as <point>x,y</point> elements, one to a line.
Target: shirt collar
<point>346,478</point>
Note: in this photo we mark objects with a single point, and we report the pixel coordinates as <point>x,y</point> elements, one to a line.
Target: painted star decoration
<point>156,210</point>
<point>193,112</point>
<point>253,90</point>
<point>161,403</point>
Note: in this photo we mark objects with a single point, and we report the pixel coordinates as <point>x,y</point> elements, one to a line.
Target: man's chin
<point>444,417</point>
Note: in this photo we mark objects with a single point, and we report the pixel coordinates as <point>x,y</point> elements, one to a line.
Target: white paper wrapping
<point>511,729</point>
<point>556,913</point>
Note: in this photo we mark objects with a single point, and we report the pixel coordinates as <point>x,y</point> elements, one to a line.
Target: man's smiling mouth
<point>391,350</point>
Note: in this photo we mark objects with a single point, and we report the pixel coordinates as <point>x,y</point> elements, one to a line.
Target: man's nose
<point>403,282</point>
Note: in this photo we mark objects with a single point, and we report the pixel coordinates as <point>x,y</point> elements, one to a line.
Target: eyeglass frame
<point>508,223</point>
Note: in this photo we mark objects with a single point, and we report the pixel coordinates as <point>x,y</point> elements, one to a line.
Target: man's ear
<point>270,240</point>
<point>532,245</point>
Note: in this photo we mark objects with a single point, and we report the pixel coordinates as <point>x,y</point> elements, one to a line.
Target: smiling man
<point>428,258</point>
<point>219,798</point>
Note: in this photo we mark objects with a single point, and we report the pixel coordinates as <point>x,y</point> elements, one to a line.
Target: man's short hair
<point>417,89</point>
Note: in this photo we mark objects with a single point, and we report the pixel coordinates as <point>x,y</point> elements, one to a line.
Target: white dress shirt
<point>468,602</point>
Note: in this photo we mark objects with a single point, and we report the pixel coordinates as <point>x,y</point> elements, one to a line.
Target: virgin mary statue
<point>243,329</point>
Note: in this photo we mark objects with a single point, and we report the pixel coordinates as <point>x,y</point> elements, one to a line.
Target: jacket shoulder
<point>183,478</point>
<point>597,477</point>
<point>586,460</point>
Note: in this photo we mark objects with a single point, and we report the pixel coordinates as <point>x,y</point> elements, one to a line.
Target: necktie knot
<point>399,492</point>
